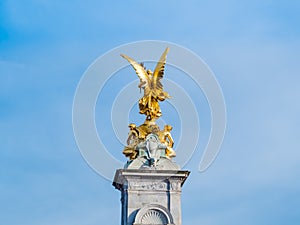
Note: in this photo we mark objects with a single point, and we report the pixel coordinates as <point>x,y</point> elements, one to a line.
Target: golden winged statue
<point>150,82</point>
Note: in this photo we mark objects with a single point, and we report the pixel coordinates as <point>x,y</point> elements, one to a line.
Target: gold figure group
<point>137,135</point>
<point>150,82</point>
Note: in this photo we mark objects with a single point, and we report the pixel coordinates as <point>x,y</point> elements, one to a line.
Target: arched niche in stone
<point>153,214</point>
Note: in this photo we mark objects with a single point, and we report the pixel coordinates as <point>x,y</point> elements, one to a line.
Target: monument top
<point>151,181</point>
<point>153,88</point>
<point>148,141</point>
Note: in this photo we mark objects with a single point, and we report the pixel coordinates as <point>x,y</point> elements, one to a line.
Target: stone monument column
<point>150,183</point>
<point>150,196</point>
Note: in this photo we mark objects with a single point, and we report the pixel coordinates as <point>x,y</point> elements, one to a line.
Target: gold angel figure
<point>150,82</point>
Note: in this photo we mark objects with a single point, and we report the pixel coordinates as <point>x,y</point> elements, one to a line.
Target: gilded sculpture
<point>166,138</point>
<point>151,84</point>
<point>132,141</point>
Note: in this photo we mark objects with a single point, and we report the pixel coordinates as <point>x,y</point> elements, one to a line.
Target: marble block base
<point>150,196</point>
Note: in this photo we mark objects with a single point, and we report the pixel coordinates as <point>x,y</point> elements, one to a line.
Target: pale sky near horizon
<point>253,48</point>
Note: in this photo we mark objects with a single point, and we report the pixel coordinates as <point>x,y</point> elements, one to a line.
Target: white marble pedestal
<point>150,196</point>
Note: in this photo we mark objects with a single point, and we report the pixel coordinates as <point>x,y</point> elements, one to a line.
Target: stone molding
<point>130,179</point>
<point>143,186</point>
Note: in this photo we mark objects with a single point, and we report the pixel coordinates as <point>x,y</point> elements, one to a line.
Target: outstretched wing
<point>159,70</point>
<point>140,71</point>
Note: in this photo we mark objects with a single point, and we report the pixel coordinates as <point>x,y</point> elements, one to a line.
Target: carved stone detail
<point>153,216</point>
<point>157,186</point>
<point>175,186</point>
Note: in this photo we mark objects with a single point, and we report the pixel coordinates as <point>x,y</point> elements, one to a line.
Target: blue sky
<point>253,48</point>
